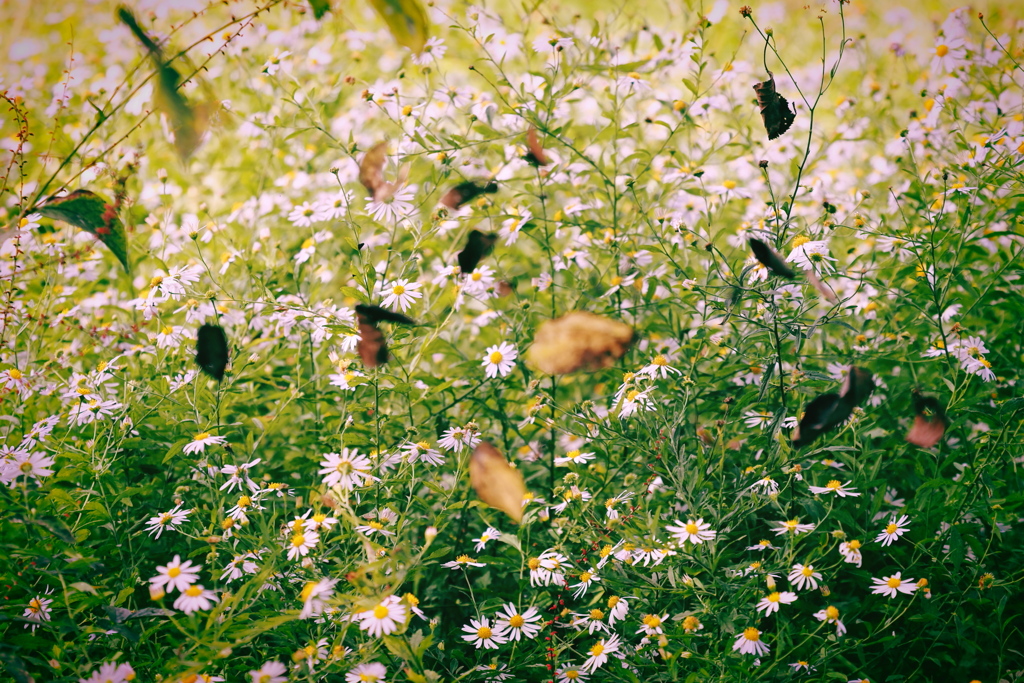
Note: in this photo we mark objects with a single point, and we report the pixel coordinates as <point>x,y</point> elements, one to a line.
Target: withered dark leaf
<point>535,155</point>
<point>929,422</point>
<point>371,168</point>
<point>372,348</point>
<point>827,411</point>
<point>769,259</point>
<point>823,413</point>
<point>212,350</point>
<point>374,314</point>
<point>776,112</point>
<point>478,245</point>
<point>456,197</point>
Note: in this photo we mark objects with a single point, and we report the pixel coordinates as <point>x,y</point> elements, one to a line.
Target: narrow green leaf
<point>90,212</point>
<point>320,8</point>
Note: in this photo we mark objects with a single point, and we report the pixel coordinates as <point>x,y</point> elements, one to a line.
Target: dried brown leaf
<point>579,340</point>
<point>496,482</point>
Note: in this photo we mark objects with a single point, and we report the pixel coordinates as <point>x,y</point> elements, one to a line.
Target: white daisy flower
<point>499,359</point>
<point>401,294</point>
<point>383,619</point>
<point>480,633</point>
<point>694,532</point>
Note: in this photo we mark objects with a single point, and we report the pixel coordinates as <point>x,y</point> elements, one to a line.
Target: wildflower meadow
<point>428,341</point>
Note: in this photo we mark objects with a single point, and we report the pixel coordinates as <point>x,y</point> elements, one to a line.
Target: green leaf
<point>90,212</point>
<point>320,8</point>
<point>407,21</point>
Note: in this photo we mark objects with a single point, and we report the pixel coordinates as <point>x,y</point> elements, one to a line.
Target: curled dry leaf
<point>929,422</point>
<point>535,151</point>
<point>212,350</point>
<point>828,411</point>
<point>770,259</point>
<point>478,245</point>
<point>776,112</point>
<point>579,340</point>
<point>457,197</point>
<point>372,349</point>
<point>496,482</point>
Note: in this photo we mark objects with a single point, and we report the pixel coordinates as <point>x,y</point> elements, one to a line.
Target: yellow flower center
<point>660,360</point>
<point>891,528</point>
<point>298,540</point>
<point>752,634</point>
<point>174,572</point>
<point>942,50</point>
<point>774,597</point>
<point>307,590</point>
<point>484,633</point>
<point>202,437</point>
<point>156,281</point>
<point>691,623</point>
<point>613,601</point>
<point>691,528</point>
<point>516,622</point>
<point>631,396</point>
<point>193,591</point>
<point>585,577</point>
<point>893,582</point>
<point>800,240</point>
<point>380,611</point>
<point>14,374</point>
<point>834,484</point>
<point>597,649</point>
<point>652,621</point>
<point>533,564</point>
<point>244,501</point>
<point>729,184</point>
<point>853,545</point>
<point>596,614</point>
<point>831,612</point>
<point>167,330</point>
<point>807,571</point>
<point>495,357</point>
<point>571,674</point>
<point>398,290</point>
<point>462,559</point>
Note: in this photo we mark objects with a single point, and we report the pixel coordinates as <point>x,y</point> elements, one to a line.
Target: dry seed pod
<point>579,340</point>
<point>372,349</point>
<point>496,482</point>
<point>776,112</point>
<point>929,423</point>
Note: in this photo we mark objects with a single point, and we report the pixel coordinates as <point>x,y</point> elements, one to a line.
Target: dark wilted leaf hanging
<point>535,155</point>
<point>769,259</point>
<point>478,245</point>
<point>212,350</point>
<point>456,197</point>
<point>776,112</point>
<point>372,348</point>
<point>929,423</point>
<point>826,412</point>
